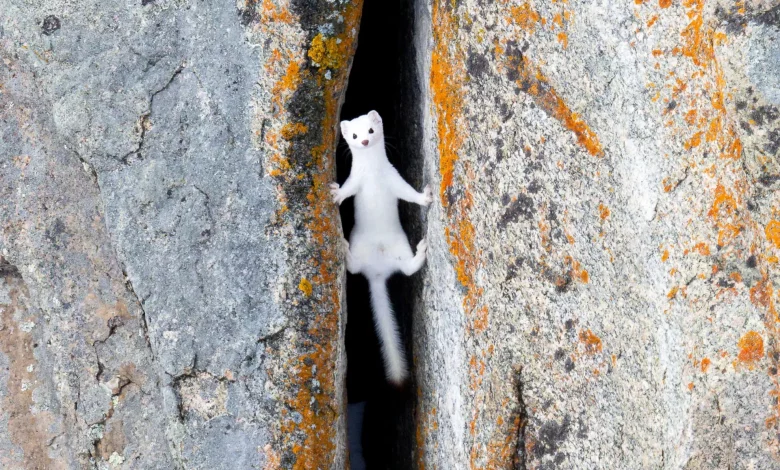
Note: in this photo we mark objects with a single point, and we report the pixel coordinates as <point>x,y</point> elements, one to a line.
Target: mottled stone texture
<point>170,295</point>
<point>601,290</point>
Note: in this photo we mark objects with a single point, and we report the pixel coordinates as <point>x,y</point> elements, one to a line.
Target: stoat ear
<point>374,116</point>
<point>345,129</point>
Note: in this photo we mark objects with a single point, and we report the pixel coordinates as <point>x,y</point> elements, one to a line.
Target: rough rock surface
<point>170,294</point>
<point>601,290</point>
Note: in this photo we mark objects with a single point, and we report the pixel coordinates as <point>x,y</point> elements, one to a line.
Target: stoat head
<point>364,131</point>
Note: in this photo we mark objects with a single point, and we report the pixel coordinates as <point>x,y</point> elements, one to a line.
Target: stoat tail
<point>387,330</point>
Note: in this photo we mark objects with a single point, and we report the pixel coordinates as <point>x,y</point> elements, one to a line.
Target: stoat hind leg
<point>352,265</point>
<point>411,265</point>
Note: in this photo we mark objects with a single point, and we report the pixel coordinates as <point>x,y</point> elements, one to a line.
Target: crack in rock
<point>144,120</point>
<point>520,457</point>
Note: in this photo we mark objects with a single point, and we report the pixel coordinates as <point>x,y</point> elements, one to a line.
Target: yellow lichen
<point>305,287</point>
<point>291,130</point>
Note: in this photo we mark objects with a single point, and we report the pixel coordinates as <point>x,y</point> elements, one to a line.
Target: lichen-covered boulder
<point>170,291</point>
<point>602,282</point>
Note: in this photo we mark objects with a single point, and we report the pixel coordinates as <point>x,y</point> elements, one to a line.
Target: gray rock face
<point>602,283</point>
<point>601,288</point>
<point>171,293</point>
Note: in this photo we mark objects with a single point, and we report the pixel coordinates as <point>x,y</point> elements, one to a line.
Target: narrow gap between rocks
<point>381,79</point>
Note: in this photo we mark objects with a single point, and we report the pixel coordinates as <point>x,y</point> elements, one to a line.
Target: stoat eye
<point>371,131</point>
<point>354,136</point>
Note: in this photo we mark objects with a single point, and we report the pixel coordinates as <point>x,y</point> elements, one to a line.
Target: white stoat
<point>378,246</point>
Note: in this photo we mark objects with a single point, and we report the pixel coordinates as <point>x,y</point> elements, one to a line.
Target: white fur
<point>378,246</point>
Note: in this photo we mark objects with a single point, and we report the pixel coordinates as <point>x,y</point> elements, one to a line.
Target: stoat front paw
<point>345,245</point>
<point>427,196</point>
<point>334,193</point>
<point>422,247</point>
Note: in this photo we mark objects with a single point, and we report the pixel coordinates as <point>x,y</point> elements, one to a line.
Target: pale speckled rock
<point>602,281</point>
<point>602,278</point>
<point>163,235</point>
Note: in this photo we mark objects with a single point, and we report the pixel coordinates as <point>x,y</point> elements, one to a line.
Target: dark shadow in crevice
<point>383,79</point>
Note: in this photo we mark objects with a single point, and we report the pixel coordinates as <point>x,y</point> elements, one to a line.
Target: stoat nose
<point>365,142</point>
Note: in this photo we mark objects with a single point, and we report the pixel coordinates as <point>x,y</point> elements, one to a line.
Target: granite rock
<point>171,286</point>
<point>602,282</point>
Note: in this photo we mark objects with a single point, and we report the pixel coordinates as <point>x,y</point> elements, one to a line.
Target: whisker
<point>388,145</point>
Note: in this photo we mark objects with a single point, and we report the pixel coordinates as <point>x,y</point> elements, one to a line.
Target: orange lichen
<point>283,88</point>
<point>532,81</point>
<point>727,233</point>
<point>761,295</point>
<point>694,141</point>
<point>291,130</point>
<point>665,256</point>
<point>575,271</point>
<point>311,439</point>
<point>502,449</point>
<point>272,13</point>
<point>724,203</point>
<point>603,211</point>
<point>421,430</point>
<point>702,249</point>
<point>714,129</point>
<point>751,348</point>
<point>563,39</point>
<point>447,83</point>
<point>705,364</point>
<point>591,341</point>
<point>690,117</point>
<point>771,422</point>
<point>279,163</point>
<point>461,246</point>
<point>664,3</point>
<point>481,320</point>
<point>733,149</point>
<point>525,17</point>
<point>697,44</point>
<point>690,386</point>
<point>272,459</point>
<point>446,80</point>
<point>672,292</point>
<point>772,232</point>
<point>652,21</point>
